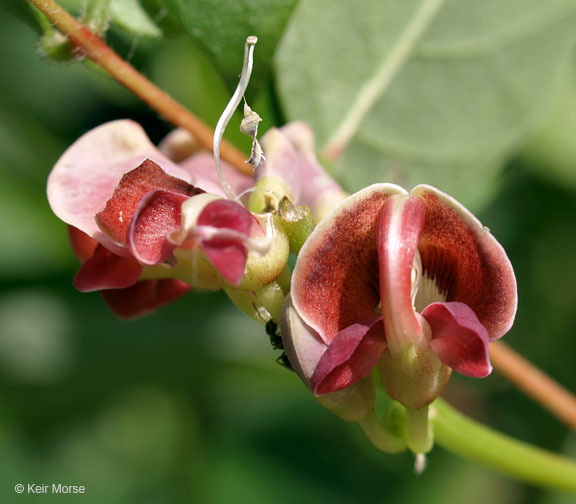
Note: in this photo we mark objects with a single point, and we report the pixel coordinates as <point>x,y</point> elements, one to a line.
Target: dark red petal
<point>227,255</point>
<point>351,355</point>
<point>106,270</point>
<point>144,297</point>
<point>85,176</point>
<point>335,281</point>
<point>82,244</point>
<point>158,213</point>
<point>226,214</point>
<point>115,219</point>
<point>466,261</point>
<point>400,224</point>
<point>458,338</point>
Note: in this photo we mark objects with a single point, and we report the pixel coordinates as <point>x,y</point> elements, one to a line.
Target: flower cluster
<point>145,228</point>
<point>409,283</point>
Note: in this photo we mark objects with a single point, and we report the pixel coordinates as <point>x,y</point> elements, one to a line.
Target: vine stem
<point>465,437</point>
<point>98,51</point>
<point>534,383</point>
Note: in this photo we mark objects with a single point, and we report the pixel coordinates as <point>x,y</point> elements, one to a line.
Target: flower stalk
<point>464,437</point>
<point>97,50</point>
<point>379,436</point>
<point>534,383</point>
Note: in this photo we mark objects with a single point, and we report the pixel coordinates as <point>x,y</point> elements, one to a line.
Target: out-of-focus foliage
<point>219,25</point>
<point>452,86</point>
<point>188,405</point>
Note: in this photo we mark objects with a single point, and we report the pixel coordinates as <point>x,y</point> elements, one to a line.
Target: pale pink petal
<point>158,214</point>
<point>351,355</point>
<point>117,216</point>
<point>335,280</point>
<point>86,175</point>
<point>228,255</point>
<point>144,297</point>
<point>458,338</point>
<point>320,191</point>
<point>466,261</point>
<point>302,344</point>
<point>82,244</point>
<point>179,145</point>
<point>400,224</point>
<point>106,270</point>
<point>290,156</point>
<point>202,169</point>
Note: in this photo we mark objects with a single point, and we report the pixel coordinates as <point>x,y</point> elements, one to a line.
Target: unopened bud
<point>297,222</point>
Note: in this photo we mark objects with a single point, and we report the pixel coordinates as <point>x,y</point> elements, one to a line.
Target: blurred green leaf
<point>35,342</point>
<point>25,12</point>
<point>551,151</point>
<point>221,27</point>
<point>129,15</point>
<point>427,91</point>
<point>184,71</point>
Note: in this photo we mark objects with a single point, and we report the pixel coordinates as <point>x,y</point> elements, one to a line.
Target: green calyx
<point>296,221</point>
<point>414,377</point>
<point>353,403</point>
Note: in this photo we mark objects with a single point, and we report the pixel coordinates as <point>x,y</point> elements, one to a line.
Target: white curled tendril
<point>230,109</point>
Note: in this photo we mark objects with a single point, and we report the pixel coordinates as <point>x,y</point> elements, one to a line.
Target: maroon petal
<point>227,254</point>
<point>400,224</point>
<point>459,339</point>
<point>83,245</point>
<point>158,213</point>
<point>466,261</point>
<point>335,280</point>
<point>106,270</point>
<point>116,217</point>
<point>144,297</point>
<point>85,176</point>
<point>350,356</point>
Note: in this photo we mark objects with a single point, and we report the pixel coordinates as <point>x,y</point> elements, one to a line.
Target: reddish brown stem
<point>98,51</point>
<point>534,383</point>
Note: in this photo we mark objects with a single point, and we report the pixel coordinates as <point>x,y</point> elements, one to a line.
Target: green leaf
<point>221,27</point>
<point>551,151</point>
<point>129,15</point>
<point>423,91</point>
<point>24,12</point>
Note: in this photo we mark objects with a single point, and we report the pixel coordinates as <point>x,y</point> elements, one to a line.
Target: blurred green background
<point>188,405</point>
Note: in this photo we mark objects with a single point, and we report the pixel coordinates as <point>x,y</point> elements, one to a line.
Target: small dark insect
<point>273,331</point>
<point>284,361</point>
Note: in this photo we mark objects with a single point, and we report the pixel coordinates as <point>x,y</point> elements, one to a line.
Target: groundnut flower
<point>409,282</point>
<point>291,169</point>
<point>146,228</point>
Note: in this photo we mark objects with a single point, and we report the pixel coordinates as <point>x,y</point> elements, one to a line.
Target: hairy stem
<point>98,51</point>
<point>467,438</point>
<point>534,383</point>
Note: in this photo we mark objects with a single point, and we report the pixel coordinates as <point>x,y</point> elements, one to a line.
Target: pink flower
<point>411,283</point>
<point>123,200</point>
<point>292,169</point>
